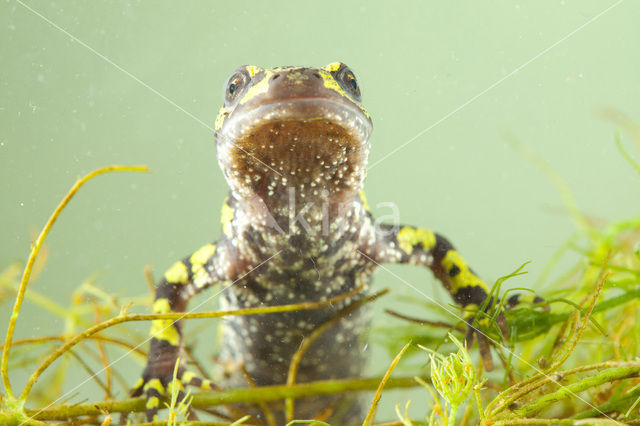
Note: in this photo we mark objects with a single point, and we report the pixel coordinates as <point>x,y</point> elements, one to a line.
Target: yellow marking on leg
<point>161,306</point>
<point>198,260</point>
<point>152,402</point>
<point>138,384</point>
<point>187,376</point>
<point>526,298</point>
<point>177,274</point>
<point>177,384</point>
<point>202,255</point>
<point>465,278</point>
<point>470,311</point>
<point>164,329</point>
<point>155,384</point>
<point>408,237</point>
<point>206,384</point>
<point>226,218</point>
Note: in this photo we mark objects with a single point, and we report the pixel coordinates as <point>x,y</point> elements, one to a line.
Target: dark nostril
<point>275,77</point>
<point>316,75</point>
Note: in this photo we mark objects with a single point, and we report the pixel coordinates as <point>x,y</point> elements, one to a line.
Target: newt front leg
<point>416,246</point>
<point>183,280</point>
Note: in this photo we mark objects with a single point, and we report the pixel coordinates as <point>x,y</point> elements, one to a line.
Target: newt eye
<point>235,86</point>
<point>348,81</point>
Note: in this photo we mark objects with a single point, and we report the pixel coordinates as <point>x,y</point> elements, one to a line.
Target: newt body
<point>293,144</point>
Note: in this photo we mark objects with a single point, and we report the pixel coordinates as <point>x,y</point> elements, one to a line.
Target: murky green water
<point>86,85</point>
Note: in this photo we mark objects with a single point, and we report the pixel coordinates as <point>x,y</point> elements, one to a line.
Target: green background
<point>460,75</point>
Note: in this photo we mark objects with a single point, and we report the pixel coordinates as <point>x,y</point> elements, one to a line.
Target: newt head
<point>297,127</point>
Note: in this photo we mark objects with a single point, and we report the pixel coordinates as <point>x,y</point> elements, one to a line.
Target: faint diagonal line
<point>496,343</point>
<point>492,86</point>
<point>106,59</point>
<point>147,339</point>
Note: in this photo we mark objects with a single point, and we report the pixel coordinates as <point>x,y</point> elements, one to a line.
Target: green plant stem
<point>195,423</point>
<point>35,249</point>
<point>549,422</point>
<point>625,154</point>
<point>564,392</point>
<point>176,316</point>
<point>529,386</point>
<point>602,277</point>
<point>383,382</point>
<point>47,339</point>
<point>619,405</point>
<point>49,305</point>
<point>453,412</point>
<point>209,399</point>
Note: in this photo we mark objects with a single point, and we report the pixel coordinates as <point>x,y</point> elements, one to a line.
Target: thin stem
<point>376,398</point>
<point>453,412</point>
<point>103,356</point>
<point>268,414</point>
<point>63,338</point>
<point>35,249</point>
<point>529,385</point>
<point>549,422</point>
<point>607,376</point>
<point>209,399</point>
<point>123,317</point>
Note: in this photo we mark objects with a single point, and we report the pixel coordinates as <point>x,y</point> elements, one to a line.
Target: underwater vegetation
<point>571,359</point>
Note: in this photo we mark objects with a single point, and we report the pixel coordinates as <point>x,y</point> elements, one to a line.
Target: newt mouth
<point>304,142</point>
<point>248,119</point>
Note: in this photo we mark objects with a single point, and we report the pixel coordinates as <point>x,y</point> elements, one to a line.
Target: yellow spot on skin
<point>161,306</point>
<point>470,311</point>
<point>297,77</point>
<point>332,67</point>
<point>206,384</point>
<point>331,84</point>
<point>198,260</point>
<point>177,274</point>
<point>220,118</point>
<point>226,218</point>
<point>164,329</point>
<point>465,278</point>
<point>152,403</point>
<point>364,200</point>
<point>253,70</point>
<point>258,88</point>
<point>177,384</point>
<point>202,255</point>
<point>139,383</point>
<point>527,298</point>
<point>187,376</point>
<point>408,237</point>
<point>155,384</point>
